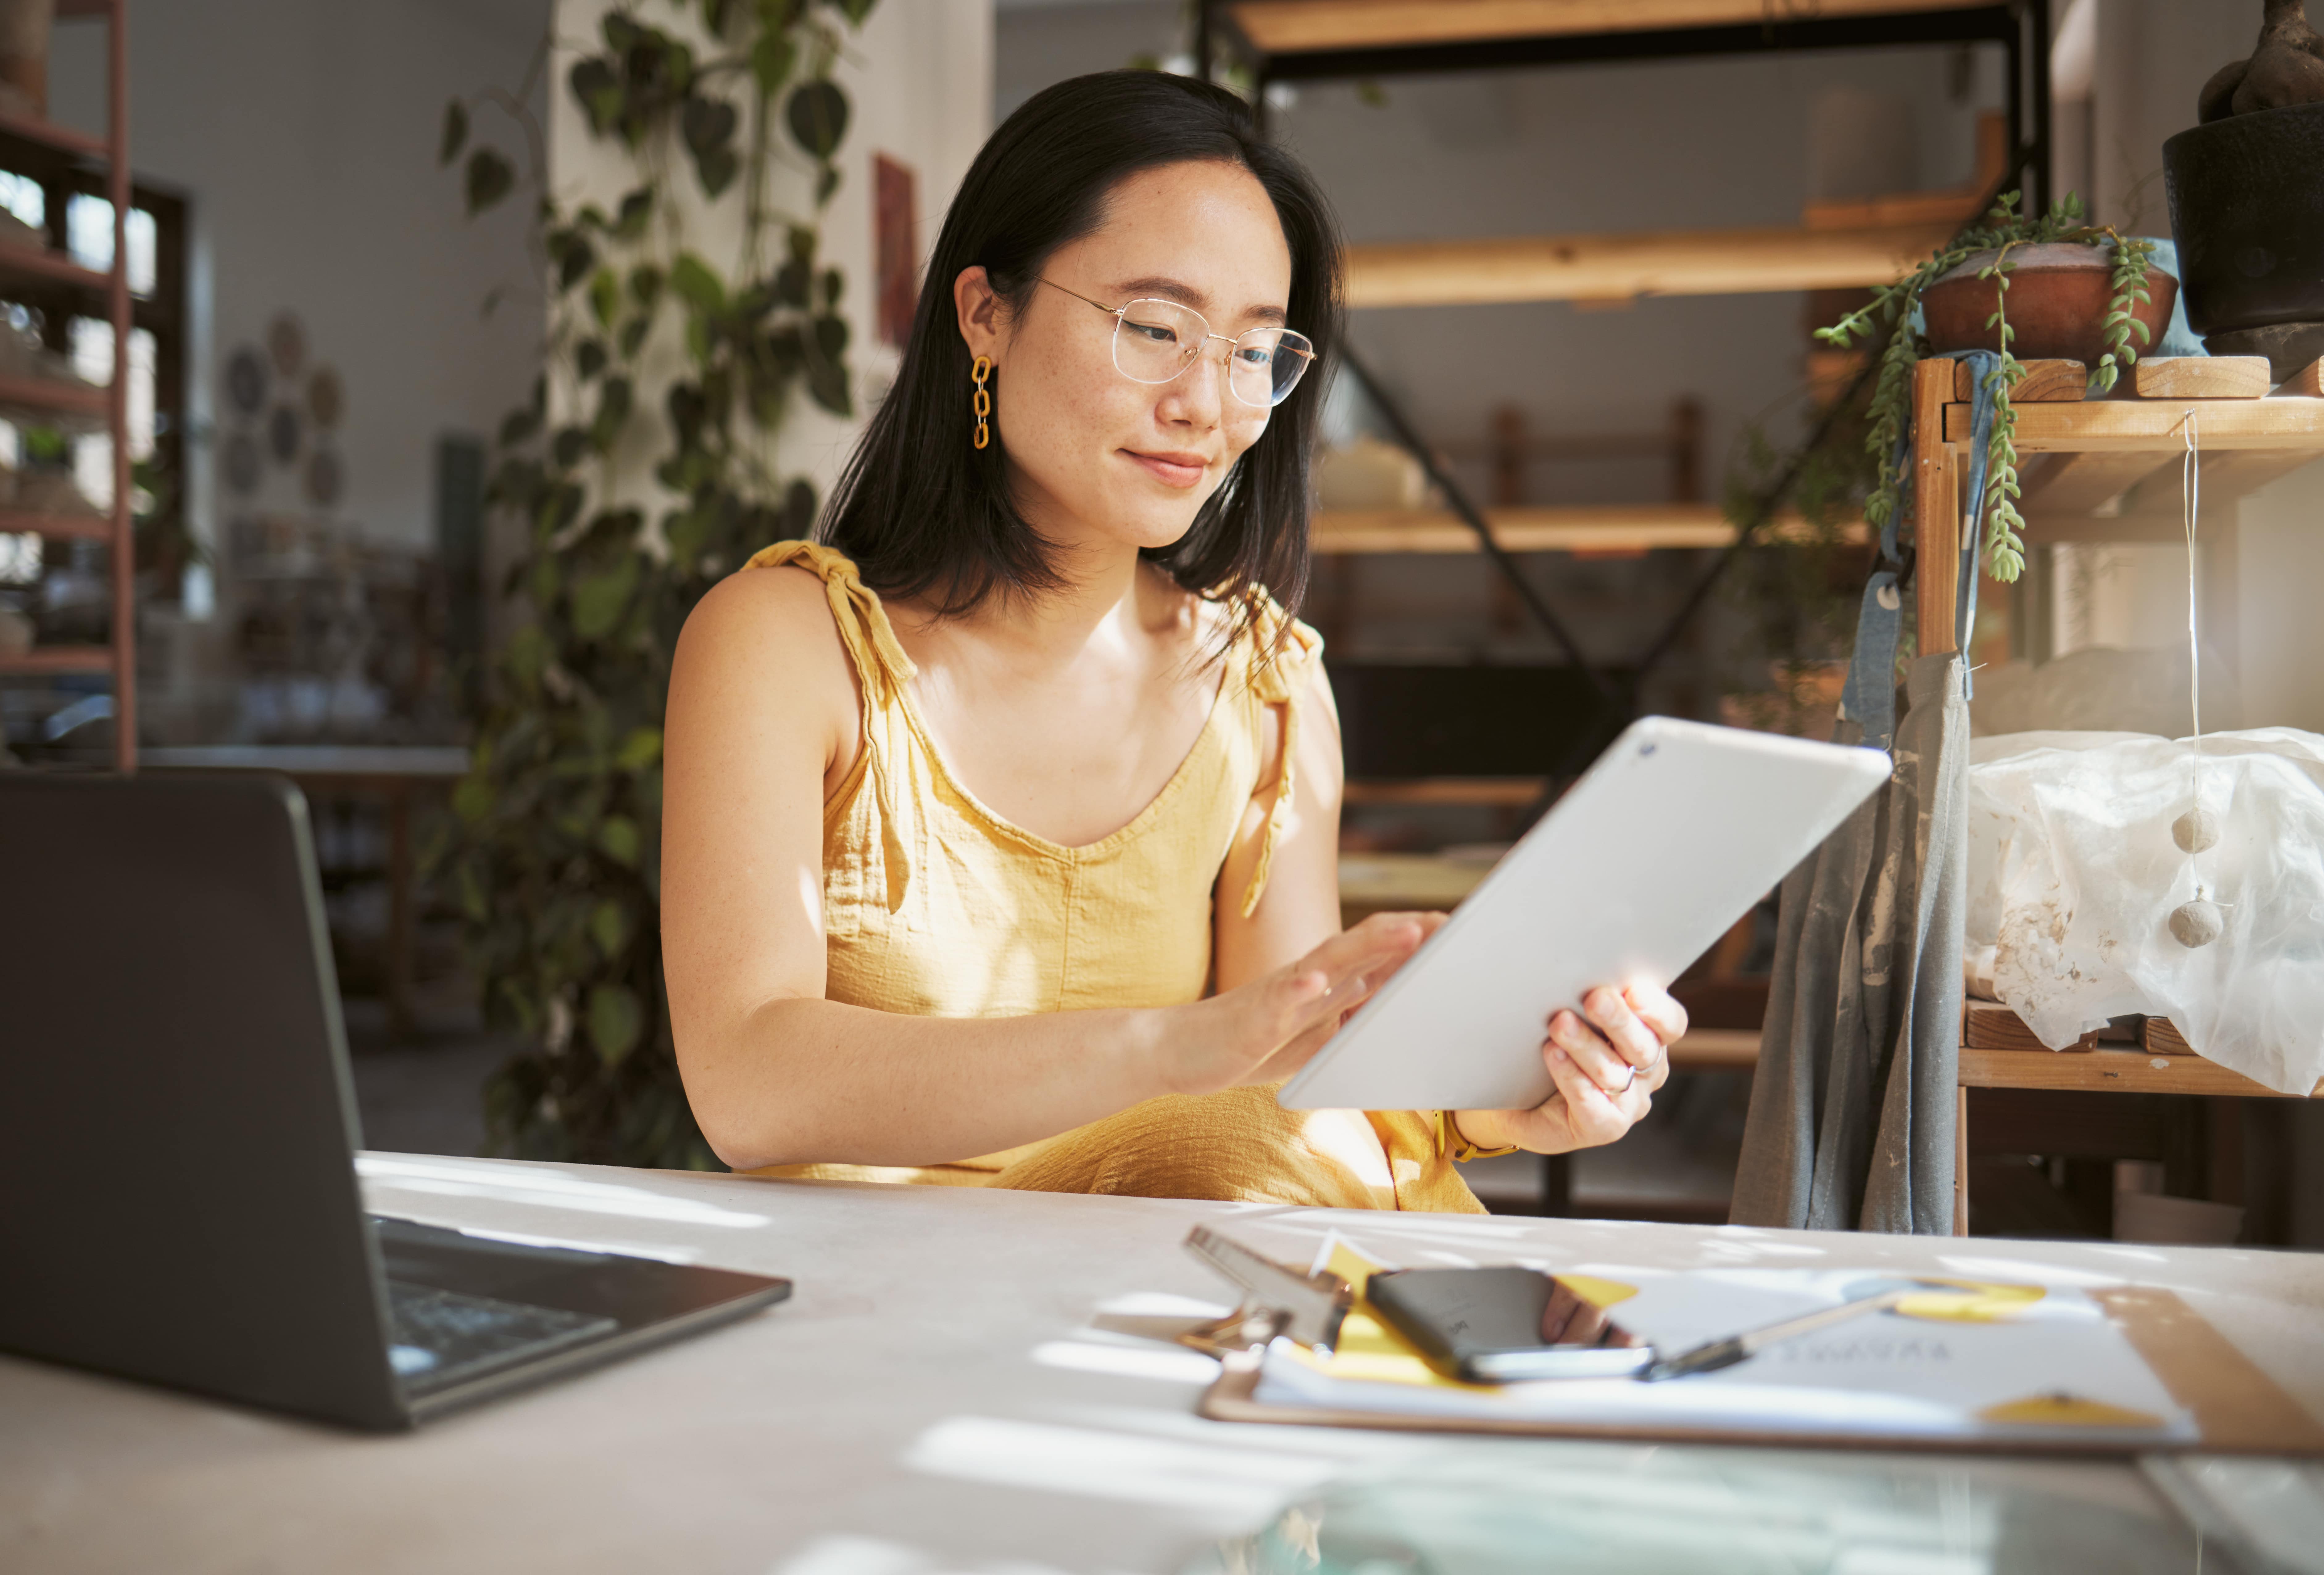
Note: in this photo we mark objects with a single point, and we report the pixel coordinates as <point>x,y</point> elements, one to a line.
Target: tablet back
<point>1672,836</point>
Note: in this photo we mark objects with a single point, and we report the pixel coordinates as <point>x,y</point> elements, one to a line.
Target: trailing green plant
<point>1795,595</point>
<point>2003,230</point>
<point>554,850</point>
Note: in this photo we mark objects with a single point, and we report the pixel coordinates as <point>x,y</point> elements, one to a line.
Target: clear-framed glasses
<point>1155,341</point>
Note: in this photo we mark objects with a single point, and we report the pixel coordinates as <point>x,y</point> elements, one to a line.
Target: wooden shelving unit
<point>1616,267</point>
<point>1838,245</point>
<point>1582,527</point>
<point>2095,454</point>
<point>109,405</point>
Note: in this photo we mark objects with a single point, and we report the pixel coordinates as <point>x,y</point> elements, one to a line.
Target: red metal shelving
<point>58,658</point>
<point>111,403</point>
<point>64,139</point>
<point>83,527</point>
<point>32,263</point>
<point>40,393</point>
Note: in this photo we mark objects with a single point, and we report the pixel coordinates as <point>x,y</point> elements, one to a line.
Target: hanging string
<point>2190,495</point>
<point>2197,923</point>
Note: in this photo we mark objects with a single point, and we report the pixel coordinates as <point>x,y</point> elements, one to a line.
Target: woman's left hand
<point>1607,1062</point>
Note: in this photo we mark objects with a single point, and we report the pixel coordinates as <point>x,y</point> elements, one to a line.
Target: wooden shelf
<point>1610,268</point>
<point>2108,470</point>
<point>1373,883</point>
<point>63,139</point>
<point>1476,792</point>
<point>1293,26</point>
<point>2108,1071</point>
<point>2158,426</point>
<point>59,659</point>
<point>29,263</point>
<point>72,398</point>
<point>1716,1050</point>
<point>1591,528</point>
<point>87,528</point>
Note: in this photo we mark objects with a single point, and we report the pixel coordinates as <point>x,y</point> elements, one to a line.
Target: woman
<point>999,837</point>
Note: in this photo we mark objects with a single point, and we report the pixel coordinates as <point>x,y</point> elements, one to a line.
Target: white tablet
<point>1638,870</point>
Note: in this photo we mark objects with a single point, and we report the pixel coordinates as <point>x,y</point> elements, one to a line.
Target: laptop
<point>177,1192</point>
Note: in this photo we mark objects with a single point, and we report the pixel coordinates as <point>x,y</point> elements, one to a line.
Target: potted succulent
<point>2054,287</point>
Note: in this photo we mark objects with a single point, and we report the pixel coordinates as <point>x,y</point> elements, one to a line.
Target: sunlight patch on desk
<point>848,1555</point>
<point>1237,1483</point>
<point>1162,1304</point>
<point>1146,1360</point>
<point>541,1188</point>
<point>2020,1269</point>
<point>1752,1249</point>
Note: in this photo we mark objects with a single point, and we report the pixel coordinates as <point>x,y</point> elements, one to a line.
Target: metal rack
<point>1301,41</point>
<point>118,656</point>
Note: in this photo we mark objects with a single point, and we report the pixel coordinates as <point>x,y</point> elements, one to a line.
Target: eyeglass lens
<point>1157,340</point>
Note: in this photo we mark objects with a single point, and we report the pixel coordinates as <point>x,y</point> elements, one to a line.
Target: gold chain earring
<point>983,401</point>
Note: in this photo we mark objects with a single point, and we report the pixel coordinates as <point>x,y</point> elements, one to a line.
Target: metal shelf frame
<point>2020,27</point>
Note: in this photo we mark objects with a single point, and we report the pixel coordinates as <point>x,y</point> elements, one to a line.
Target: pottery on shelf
<point>2248,207</point>
<point>2059,297</point>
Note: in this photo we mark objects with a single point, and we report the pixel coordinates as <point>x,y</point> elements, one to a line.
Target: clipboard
<point>2237,1408</point>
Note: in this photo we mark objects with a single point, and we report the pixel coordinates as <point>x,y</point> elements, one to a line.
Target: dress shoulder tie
<point>881,666</point>
<point>1281,650</point>
<point>855,608</point>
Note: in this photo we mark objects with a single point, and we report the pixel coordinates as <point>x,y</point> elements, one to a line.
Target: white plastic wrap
<point>2074,874</point>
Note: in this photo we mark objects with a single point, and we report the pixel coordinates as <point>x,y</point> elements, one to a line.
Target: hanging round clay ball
<point>2195,830</point>
<point>2195,924</point>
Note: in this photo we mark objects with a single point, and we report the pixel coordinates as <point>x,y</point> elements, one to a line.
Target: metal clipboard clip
<point>1277,1300</point>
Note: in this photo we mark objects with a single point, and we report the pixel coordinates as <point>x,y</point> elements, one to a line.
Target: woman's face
<point>1094,457</point>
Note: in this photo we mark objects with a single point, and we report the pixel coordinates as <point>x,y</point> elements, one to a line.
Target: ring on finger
<point>1627,1086</point>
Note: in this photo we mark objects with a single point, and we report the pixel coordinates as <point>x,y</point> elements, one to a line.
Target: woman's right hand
<point>1264,1031</point>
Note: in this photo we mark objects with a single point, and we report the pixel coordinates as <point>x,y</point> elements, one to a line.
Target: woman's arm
<point>1300,908</point>
<point>764,718</point>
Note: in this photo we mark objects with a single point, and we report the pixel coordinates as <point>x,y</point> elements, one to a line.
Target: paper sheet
<point>2022,1362</point>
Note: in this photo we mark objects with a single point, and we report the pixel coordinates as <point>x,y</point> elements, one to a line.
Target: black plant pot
<point>2247,209</point>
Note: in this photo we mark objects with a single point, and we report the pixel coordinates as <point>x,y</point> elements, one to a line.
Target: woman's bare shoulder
<point>771,624</point>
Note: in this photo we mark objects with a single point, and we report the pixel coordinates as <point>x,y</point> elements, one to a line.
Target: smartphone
<point>1505,1325</point>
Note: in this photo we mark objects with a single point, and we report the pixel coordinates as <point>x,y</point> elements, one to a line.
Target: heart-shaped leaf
<point>696,285</point>
<point>817,113</point>
<point>617,1021</point>
<point>490,179</point>
<point>598,603</point>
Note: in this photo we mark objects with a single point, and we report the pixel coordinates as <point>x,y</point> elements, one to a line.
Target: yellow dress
<point>935,906</point>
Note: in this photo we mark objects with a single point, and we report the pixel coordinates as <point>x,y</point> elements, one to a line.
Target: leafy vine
<point>2003,545</point>
<point>554,853</point>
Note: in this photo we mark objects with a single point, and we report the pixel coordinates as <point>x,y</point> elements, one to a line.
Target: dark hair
<point>924,512</point>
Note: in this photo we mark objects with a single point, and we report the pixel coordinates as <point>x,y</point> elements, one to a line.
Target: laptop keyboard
<point>446,1337</point>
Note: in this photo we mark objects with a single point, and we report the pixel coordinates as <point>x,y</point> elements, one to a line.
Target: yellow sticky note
<point>1973,1302</point>
<point>2060,1409</point>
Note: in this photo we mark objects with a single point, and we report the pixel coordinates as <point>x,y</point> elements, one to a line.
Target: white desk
<point>920,1390</point>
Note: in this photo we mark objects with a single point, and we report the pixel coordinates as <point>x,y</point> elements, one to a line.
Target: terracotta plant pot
<point>2059,296</point>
